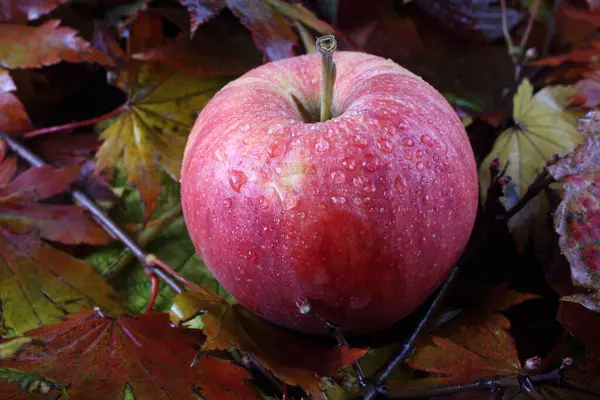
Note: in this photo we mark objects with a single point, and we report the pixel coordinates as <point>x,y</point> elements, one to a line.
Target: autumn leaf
<point>588,90</point>
<point>210,52</point>
<point>295,358</point>
<point>13,117</point>
<point>151,131</point>
<point>472,352</point>
<point>142,354</point>
<point>27,10</point>
<point>38,283</point>
<point>269,21</point>
<point>541,129</point>
<point>24,46</point>
<point>577,219</point>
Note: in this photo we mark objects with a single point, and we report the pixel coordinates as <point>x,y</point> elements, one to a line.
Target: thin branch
<point>99,215</point>
<point>554,378</point>
<point>76,124</point>
<point>542,181</point>
<point>532,16</point>
<point>378,379</point>
<point>505,31</point>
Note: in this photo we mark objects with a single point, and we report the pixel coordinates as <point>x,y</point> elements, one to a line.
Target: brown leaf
<point>13,117</point>
<point>39,283</point>
<point>269,21</point>
<point>6,82</point>
<point>472,352</point>
<point>588,90</point>
<point>143,355</point>
<point>295,358</point>
<point>27,10</point>
<point>24,46</point>
<point>217,48</point>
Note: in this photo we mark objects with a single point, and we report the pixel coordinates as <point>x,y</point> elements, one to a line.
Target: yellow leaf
<point>542,128</point>
<point>151,131</point>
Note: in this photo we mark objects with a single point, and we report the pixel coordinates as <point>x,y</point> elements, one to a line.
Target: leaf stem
<point>327,46</point>
<point>377,381</point>
<point>76,124</point>
<point>99,215</point>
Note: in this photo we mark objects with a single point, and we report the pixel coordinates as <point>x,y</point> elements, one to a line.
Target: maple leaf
<point>39,283</point>
<point>24,10</point>
<point>295,358</point>
<point>151,131</point>
<point>471,352</point>
<point>577,219</point>
<point>141,354</point>
<point>268,20</point>
<point>24,46</point>
<point>541,129</point>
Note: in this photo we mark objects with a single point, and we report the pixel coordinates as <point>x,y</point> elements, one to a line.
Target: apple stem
<point>326,46</point>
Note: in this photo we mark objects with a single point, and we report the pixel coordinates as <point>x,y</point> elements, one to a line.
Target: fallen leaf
<point>210,52</point>
<point>581,323</point>
<point>541,129</point>
<point>24,46</point>
<point>92,353</point>
<point>269,21</point>
<point>475,19</point>
<point>588,90</point>
<point>38,283</point>
<point>295,358</point>
<point>13,117</point>
<point>577,218</point>
<point>583,55</point>
<point>31,382</point>
<point>151,132</point>
<point>27,10</point>
<point>472,352</point>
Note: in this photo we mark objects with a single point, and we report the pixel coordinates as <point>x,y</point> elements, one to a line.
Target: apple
<point>359,217</point>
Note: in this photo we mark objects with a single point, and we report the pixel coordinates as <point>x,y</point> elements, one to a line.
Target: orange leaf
<point>472,352</point>
<point>13,117</point>
<point>295,358</point>
<point>24,46</point>
<point>91,353</point>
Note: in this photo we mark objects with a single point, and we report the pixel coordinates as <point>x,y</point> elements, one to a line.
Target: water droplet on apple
<point>357,200</point>
<point>338,177</point>
<point>274,149</point>
<point>338,199</point>
<point>227,203</point>
<point>370,187</point>
<point>360,181</point>
<point>360,301</point>
<point>426,140</point>
<point>220,156</point>
<point>428,164</point>
<point>349,163</point>
<point>408,142</point>
<point>322,145</point>
<point>420,166</point>
<point>360,141</point>
<point>248,200</point>
<point>419,154</point>
<point>371,162</point>
<point>264,203</point>
<point>400,183</point>
<point>303,305</point>
<point>291,200</point>
<point>252,256</point>
<point>245,127</point>
<point>408,154</point>
<point>237,179</point>
<point>385,145</point>
<point>426,199</point>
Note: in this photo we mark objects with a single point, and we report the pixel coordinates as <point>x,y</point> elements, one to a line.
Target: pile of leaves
<point>106,92</point>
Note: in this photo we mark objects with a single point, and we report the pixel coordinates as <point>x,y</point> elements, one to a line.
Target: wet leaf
<point>27,10</point>
<point>577,219</point>
<point>151,132</point>
<point>31,382</point>
<point>295,358</point>
<point>24,46</point>
<point>541,129</point>
<point>269,21</point>
<point>13,117</point>
<point>38,283</point>
<point>471,352</point>
<point>92,353</point>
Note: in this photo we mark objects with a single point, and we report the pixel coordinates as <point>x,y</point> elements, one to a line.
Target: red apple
<point>362,216</point>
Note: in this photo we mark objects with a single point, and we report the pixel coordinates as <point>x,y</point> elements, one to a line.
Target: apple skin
<point>362,216</point>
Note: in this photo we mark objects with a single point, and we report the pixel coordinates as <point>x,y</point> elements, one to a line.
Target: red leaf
<point>586,56</point>
<point>91,353</point>
<point>6,82</point>
<point>588,90</point>
<point>295,358</point>
<point>202,10</point>
<point>13,117</point>
<point>24,10</point>
<point>24,46</point>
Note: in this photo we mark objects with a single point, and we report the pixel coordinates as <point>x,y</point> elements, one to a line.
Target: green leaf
<point>32,383</point>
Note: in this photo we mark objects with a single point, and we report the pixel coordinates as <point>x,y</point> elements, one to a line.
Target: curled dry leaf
<point>39,283</point>
<point>541,129</point>
<point>142,355</point>
<point>577,219</point>
<point>295,358</point>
